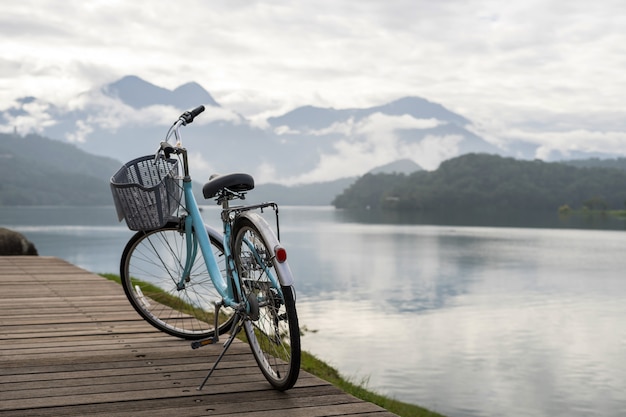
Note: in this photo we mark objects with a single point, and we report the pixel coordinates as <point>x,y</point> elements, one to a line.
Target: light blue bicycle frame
<point>199,236</point>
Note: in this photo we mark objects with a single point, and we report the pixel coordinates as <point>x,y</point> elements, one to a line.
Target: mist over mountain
<point>401,166</point>
<point>128,118</point>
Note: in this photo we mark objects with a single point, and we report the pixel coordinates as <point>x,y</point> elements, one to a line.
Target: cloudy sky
<point>548,71</point>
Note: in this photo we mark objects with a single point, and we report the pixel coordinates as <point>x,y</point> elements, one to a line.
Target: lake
<point>501,314</point>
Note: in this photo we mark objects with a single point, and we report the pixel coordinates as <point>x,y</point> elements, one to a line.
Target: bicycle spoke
<point>152,268</point>
<point>274,336</point>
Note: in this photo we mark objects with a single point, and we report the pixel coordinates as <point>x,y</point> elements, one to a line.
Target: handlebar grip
<point>188,116</point>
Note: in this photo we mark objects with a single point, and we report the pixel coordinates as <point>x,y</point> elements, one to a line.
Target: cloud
<point>572,141</point>
<point>599,133</point>
<point>83,129</point>
<point>379,124</point>
<point>94,110</point>
<point>33,117</point>
<point>109,113</point>
<point>265,172</point>
<point>372,142</point>
<point>202,169</point>
<point>433,150</point>
<point>375,125</point>
<point>285,130</point>
<point>523,64</point>
<point>215,114</point>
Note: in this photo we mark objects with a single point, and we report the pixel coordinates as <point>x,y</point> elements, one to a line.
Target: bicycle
<point>191,281</point>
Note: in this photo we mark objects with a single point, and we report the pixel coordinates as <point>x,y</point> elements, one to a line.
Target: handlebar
<point>188,116</point>
<point>183,120</point>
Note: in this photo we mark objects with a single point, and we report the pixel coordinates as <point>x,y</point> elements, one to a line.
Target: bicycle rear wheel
<point>151,267</point>
<point>272,325</point>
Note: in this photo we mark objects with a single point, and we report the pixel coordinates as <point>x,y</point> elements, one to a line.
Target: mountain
<point>317,194</point>
<point>40,171</point>
<point>401,166</point>
<point>409,128</point>
<point>310,117</point>
<point>58,156</point>
<point>138,94</point>
<point>129,117</point>
<point>288,156</point>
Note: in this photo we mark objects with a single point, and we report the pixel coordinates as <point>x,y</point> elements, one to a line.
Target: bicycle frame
<point>196,234</point>
<point>199,236</point>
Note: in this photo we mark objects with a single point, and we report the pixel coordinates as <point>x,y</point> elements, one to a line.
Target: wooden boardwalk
<point>71,345</point>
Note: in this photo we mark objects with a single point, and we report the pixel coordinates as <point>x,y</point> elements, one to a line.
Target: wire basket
<point>146,192</point>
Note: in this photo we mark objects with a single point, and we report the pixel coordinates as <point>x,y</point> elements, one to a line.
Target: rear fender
<point>284,272</point>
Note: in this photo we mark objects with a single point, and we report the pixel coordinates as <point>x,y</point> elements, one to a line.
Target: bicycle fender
<point>284,272</point>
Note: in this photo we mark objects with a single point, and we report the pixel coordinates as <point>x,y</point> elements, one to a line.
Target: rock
<point>14,243</point>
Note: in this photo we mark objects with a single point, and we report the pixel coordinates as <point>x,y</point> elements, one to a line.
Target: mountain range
<point>309,144</point>
<point>305,156</point>
<point>42,171</point>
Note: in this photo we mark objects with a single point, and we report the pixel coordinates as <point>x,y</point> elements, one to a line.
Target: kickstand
<point>237,325</point>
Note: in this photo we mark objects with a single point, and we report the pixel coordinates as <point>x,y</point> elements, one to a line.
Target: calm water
<point>450,313</point>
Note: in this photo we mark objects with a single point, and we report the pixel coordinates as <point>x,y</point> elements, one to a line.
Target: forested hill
<point>36,170</point>
<point>40,171</point>
<point>476,181</point>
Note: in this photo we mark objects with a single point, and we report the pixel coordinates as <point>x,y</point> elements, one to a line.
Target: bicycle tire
<point>150,268</point>
<point>272,331</point>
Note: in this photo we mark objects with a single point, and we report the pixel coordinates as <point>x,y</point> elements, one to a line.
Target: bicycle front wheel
<point>272,324</point>
<point>151,269</point>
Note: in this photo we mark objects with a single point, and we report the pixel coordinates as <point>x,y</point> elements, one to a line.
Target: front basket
<point>146,192</point>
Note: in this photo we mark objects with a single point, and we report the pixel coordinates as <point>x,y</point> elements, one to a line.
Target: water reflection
<point>471,321</point>
<point>405,268</point>
<point>487,218</point>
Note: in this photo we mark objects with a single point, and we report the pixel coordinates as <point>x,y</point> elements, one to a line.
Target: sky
<point>547,71</point>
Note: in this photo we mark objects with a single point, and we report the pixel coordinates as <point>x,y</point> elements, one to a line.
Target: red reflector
<point>281,254</point>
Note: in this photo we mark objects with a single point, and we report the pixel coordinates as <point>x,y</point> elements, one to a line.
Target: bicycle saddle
<point>237,182</point>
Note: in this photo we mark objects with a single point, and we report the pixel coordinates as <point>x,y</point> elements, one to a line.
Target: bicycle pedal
<point>199,343</point>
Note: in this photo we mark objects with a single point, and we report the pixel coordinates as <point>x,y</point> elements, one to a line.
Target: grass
<point>322,370</point>
<point>112,277</point>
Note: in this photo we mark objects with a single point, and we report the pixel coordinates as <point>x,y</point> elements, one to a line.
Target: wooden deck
<point>71,345</point>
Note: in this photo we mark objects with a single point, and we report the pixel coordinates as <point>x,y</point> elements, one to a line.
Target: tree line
<point>476,181</point>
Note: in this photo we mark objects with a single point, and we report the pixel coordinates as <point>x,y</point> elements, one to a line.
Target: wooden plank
<point>71,345</point>
<point>208,404</point>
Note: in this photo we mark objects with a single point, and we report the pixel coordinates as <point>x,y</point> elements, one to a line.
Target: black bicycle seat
<point>237,182</point>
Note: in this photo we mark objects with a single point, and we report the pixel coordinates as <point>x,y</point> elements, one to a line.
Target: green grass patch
<point>322,370</point>
<point>162,297</point>
<point>112,277</point>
